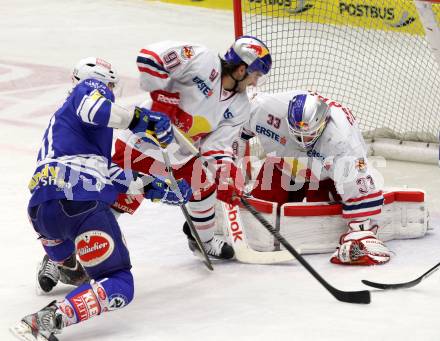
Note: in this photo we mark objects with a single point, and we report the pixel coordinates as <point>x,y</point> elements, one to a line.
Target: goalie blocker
<point>316,227</point>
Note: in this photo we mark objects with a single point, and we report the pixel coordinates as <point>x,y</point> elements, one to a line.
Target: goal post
<point>379,57</point>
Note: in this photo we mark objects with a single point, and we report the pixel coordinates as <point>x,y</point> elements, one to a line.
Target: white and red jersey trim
<point>363,206</point>
<point>149,62</point>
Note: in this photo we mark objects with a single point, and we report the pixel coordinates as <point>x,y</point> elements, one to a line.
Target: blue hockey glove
<point>152,122</point>
<point>159,190</point>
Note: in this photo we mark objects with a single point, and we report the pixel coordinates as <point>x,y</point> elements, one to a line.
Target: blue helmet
<point>251,51</point>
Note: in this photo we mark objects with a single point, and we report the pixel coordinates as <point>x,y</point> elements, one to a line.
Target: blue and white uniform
<point>74,161</point>
<point>72,188</point>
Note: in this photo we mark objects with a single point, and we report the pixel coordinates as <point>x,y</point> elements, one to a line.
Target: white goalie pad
<point>316,227</point>
<point>236,234</point>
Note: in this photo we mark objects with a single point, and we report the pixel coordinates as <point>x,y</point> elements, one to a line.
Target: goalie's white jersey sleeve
<point>339,154</point>
<point>184,81</point>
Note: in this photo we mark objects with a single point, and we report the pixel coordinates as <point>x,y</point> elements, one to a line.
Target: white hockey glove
<point>360,246</point>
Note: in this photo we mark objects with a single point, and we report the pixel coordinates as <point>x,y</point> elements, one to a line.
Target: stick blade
<point>359,297</point>
<point>251,256</point>
<point>385,286</point>
<point>404,285</point>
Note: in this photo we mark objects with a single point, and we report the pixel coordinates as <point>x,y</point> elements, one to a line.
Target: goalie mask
<point>95,68</point>
<point>307,117</point>
<point>251,51</point>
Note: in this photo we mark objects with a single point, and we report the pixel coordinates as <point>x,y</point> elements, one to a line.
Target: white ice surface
<point>176,297</point>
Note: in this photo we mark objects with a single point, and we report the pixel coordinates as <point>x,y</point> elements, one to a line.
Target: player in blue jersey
<point>72,188</point>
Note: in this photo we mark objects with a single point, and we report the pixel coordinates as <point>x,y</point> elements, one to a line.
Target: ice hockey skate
<point>49,273</point>
<point>215,248</point>
<point>40,326</point>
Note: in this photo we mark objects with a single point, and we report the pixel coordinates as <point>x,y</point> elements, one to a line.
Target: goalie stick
<point>243,252</point>
<point>404,285</point>
<point>237,236</point>
<point>343,296</point>
<point>175,188</point>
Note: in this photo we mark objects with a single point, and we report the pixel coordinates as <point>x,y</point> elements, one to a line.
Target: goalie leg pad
<point>361,248</point>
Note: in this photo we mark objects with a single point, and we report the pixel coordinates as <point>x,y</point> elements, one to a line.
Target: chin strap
<point>237,81</point>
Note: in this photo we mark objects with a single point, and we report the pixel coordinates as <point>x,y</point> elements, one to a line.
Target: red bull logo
<point>259,50</point>
<point>187,52</point>
<point>302,125</point>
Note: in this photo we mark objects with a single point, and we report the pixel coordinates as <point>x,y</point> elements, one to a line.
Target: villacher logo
<point>94,247</point>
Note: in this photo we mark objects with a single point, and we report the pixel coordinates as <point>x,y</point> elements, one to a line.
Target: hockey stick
<point>233,227</point>
<point>343,296</point>
<point>243,252</point>
<point>175,188</point>
<point>404,285</point>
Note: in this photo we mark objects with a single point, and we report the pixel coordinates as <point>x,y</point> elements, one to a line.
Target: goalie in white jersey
<point>204,96</point>
<point>316,151</point>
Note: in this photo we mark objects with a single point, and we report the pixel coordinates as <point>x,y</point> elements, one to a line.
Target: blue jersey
<point>74,161</point>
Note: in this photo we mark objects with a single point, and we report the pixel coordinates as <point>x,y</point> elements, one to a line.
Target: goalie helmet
<point>94,68</point>
<point>307,117</point>
<point>251,51</point>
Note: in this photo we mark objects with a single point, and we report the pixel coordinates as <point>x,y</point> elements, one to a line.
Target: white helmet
<point>94,68</point>
<point>251,51</point>
<point>307,118</point>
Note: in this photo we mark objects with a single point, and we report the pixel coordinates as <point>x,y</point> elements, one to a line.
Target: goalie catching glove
<point>159,190</point>
<point>360,246</point>
<point>152,122</point>
<point>230,184</point>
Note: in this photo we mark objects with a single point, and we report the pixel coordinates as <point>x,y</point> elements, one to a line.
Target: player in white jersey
<point>205,97</point>
<point>316,151</point>
<point>72,188</point>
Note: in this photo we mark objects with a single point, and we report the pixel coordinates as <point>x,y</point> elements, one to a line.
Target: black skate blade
<point>38,289</point>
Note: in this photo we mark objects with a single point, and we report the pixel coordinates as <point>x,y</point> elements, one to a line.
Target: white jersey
<point>339,154</point>
<point>184,81</point>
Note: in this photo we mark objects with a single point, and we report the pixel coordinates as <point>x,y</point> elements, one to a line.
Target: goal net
<point>378,57</point>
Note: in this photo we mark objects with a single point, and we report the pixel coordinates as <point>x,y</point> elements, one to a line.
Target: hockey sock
<point>203,216</point>
<point>91,299</point>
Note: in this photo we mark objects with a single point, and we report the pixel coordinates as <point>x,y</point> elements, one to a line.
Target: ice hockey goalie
<point>317,185</point>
